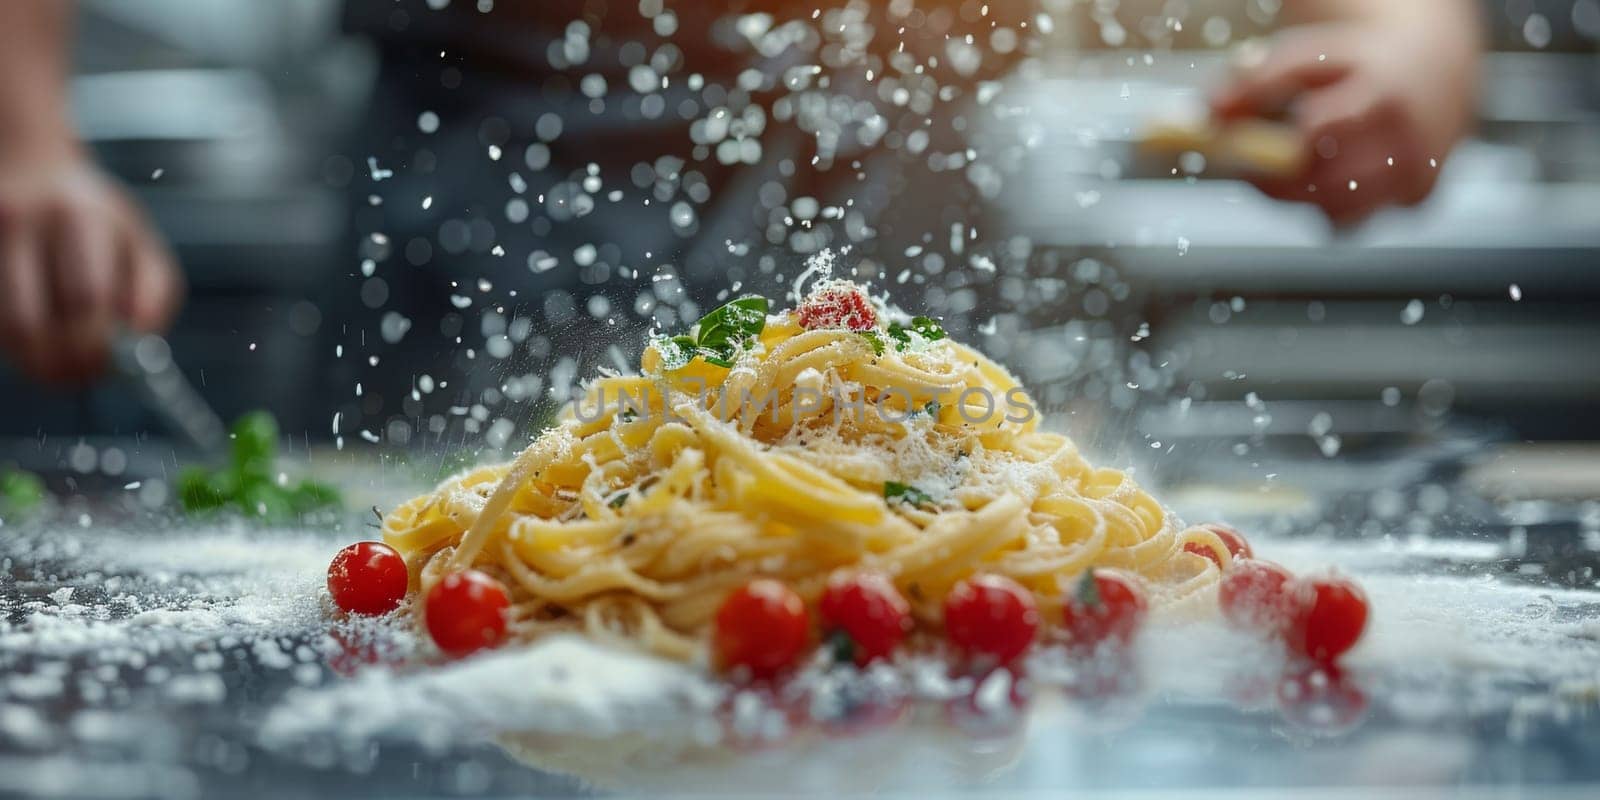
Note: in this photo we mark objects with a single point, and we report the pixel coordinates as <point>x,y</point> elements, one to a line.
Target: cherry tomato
<point>466,612</point>
<point>761,628</point>
<point>837,308</point>
<point>368,578</point>
<point>1107,606</point>
<point>868,612</point>
<point>1332,614</point>
<point>992,617</point>
<point>1258,596</point>
<point>1231,539</point>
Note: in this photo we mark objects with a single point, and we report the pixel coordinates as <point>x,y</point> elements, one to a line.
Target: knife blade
<point>145,360</point>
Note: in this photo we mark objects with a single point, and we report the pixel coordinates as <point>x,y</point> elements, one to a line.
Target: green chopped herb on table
<point>20,492</point>
<point>248,483</point>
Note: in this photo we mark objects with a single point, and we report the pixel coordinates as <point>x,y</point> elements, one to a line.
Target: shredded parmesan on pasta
<point>631,521</point>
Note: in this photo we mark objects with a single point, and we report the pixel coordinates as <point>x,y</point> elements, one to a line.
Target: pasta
<point>771,445</point>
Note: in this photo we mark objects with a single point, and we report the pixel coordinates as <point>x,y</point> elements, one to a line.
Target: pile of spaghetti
<point>759,466</point>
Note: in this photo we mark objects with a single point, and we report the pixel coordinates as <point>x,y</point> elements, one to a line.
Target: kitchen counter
<point>142,657</point>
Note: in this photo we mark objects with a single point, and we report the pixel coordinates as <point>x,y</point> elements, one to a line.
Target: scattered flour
<point>562,686</point>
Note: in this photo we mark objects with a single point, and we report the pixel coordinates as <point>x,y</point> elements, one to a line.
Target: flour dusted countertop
<point>200,660</point>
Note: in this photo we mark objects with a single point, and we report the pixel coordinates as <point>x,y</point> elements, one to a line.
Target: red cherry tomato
<point>466,612</point>
<point>992,617</point>
<point>761,628</point>
<point>368,578</point>
<point>1258,596</point>
<point>1107,606</point>
<point>837,308</point>
<point>869,611</point>
<point>1231,539</point>
<point>1332,614</point>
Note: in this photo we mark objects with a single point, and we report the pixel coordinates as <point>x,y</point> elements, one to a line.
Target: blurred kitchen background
<point>1203,315</point>
<point>226,120</point>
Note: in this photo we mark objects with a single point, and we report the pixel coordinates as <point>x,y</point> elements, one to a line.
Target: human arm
<point>1380,91</point>
<point>77,258</point>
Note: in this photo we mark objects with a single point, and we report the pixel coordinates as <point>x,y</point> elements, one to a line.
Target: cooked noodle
<point>651,499</point>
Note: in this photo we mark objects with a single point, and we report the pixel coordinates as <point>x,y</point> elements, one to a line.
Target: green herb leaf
<point>931,408</point>
<point>248,483</point>
<point>20,492</point>
<point>841,648</point>
<point>618,501</point>
<point>719,336</point>
<point>266,501</point>
<point>200,489</point>
<point>676,352</point>
<point>926,327</point>
<point>255,444</point>
<point>309,496</point>
<point>875,339</point>
<point>1088,592</point>
<point>906,493</point>
<point>734,324</point>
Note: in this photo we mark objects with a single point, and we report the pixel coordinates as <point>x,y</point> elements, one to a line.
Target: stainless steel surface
<point>209,629</point>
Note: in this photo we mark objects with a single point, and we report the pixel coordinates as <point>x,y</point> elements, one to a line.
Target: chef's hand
<point>77,261</point>
<point>1378,104</point>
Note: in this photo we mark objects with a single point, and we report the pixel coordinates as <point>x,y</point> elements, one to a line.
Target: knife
<point>145,360</point>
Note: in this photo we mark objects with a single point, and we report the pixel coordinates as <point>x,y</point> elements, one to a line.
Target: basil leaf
<point>310,496</point>
<point>676,352</point>
<point>266,501</point>
<point>719,335</point>
<point>247,483</point>
<point>255,445</point>
<point>199,489</point>
<point>926,327</point>
<point>618,501</point>
<point>906,493</point>
<point>737,323</point>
